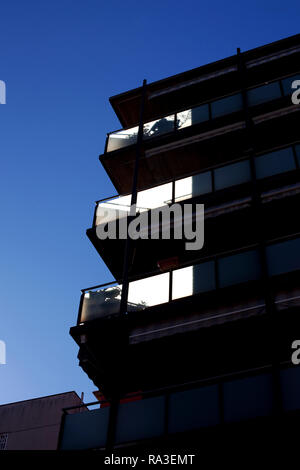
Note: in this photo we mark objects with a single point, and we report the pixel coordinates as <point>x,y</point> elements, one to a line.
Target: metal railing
<point>216,108</point>
<point>221,177</point>
<point>184,407</point>
<point>218,271</point>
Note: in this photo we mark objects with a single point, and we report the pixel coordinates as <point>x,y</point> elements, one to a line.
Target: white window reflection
<point>104,302</point>
<point>184,119</point>
<point>154,197</point>
<point>182,282</point>
<point>159,126</point>
<point>122,138</point>
<point>119,207</point>
<point>193,280</point>
<point>150,291</point>
<point>108,211</point>
<point>193,186</point>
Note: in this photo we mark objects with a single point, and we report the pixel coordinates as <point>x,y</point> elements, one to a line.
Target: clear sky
<point>61,61</point>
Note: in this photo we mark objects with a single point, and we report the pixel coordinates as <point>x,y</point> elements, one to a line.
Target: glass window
<point>121,139</point>
<point>101,303</point>
<point>230,175</point>
<point>287,84</point>
<point>184,119</point>
<point>227,105</point>
<point>193,409</point>
<point>264,93</point>
<point>193,280</point>
<point>290,383</point>
<point>193,116</point>
<point>297,148</point>
<point>283,257</point>
<point>274,163</point>
<point>85,430</point>
<point>113,209</point>
<point>248,398</point>
<point>159,126</point>
<point>193,186</point>
<point>150,291</point>
<point>239,268</point>
<point>200,114</point>
<point>141,419</point>
<point>154,197</point>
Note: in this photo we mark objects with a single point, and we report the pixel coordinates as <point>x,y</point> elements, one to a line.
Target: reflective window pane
<point>193,409</point>
<point>230,175</point>
<point>193,186</point>
<point>184,119</point>
<point>290,383</point>
<point>154,197</point>
<point>101,303</point>
<point>121,139</point>
<point>287,84</point>
<point>193,280</point>
<point>274,163</point>
<point>116,208</point>
<point>142,419</point>
<point>150,291</point>
<point>239,268</point>
<point>193,116</point>
<point>264,93</point>
<point>283,257</point>
<point>227,105</point>
<point>248,398</point>
<point>297,148</point>
<point>113,209</point>
<point>85,429</point>
<point>200,114</point>
<point>159,126</point>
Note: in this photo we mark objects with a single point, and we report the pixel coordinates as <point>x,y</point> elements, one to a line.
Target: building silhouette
<point>192,346</point>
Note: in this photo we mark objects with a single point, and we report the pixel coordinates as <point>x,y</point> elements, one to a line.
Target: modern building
<point>34,424</point>
<point>201,340</point>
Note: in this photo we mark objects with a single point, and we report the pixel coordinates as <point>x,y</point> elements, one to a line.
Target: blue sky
<point>61,61</point>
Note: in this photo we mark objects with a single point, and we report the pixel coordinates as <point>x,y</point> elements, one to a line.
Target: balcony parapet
<point>220,178</point>
<point>217,272</point>
<point>257,96</point>
<point>187,408</point>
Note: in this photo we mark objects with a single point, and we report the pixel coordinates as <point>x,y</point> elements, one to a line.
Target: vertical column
<point>112,423</point>
<point>128,258</point>
<point>261,239</point>
<point>128,254</point>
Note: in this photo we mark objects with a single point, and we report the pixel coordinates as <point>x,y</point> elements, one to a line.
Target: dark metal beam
<point>128,254</point>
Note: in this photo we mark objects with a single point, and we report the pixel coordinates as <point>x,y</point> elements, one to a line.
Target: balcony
<point>203,130</point>
<point>207,276</point>
<point>177,317</point>
<point>225,106</point>
<point>225,192</point>
<point>178,415</point>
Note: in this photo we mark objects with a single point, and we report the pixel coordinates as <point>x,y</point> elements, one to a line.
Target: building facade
<point>199,339</point>
<point>34,424</point>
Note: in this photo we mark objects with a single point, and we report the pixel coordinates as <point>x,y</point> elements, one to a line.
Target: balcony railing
<point>220,272</point>
<point>268,164</point>
<point>229,399</point>
<point>205,112</point>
